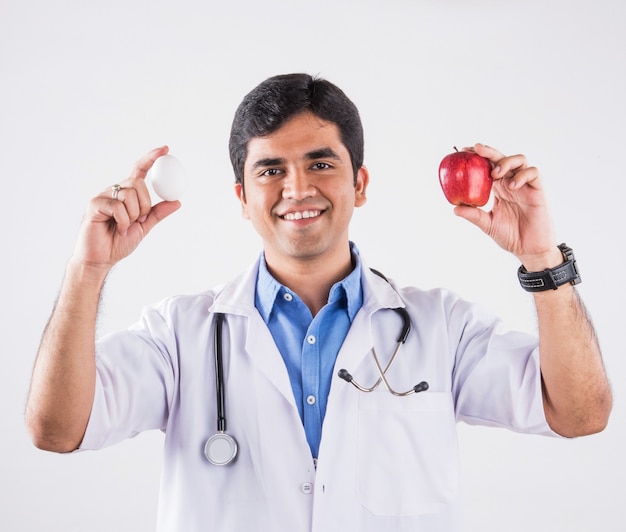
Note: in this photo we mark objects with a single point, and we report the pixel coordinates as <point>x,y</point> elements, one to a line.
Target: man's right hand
<point>114,226</point>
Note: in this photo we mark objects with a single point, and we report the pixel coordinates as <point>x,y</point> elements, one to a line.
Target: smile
<point>301,214</point>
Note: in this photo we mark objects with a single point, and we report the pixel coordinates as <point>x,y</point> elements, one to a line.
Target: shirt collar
<point>349,289</point>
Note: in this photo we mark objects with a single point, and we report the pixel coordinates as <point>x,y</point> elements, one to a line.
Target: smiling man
<point>268,351</point>
<point>299,193</point>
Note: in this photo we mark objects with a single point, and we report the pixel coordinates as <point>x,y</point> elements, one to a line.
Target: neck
<point>311,278</point>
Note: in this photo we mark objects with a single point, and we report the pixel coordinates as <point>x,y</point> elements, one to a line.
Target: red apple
<point>465,178</point>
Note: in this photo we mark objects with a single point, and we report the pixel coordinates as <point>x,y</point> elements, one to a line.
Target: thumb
<point>473,215</point>
<point>159,212</point>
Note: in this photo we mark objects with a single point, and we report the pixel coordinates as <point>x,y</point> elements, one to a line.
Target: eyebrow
<point>269,161</point>
<point>320,153</point>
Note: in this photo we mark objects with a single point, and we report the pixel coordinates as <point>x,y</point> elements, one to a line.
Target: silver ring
<point>115,190</point>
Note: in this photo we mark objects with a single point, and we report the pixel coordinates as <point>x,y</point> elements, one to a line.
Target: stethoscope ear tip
<point>421,387</point>
<point>343,374</point>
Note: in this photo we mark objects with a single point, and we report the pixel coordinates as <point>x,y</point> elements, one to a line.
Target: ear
<point>360,187</point>
<point>239,191</point>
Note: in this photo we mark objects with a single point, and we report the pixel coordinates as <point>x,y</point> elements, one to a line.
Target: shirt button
<point>307,488</point>
<point>287,296</point>
<point>310,399</point>
<point>311,339</point>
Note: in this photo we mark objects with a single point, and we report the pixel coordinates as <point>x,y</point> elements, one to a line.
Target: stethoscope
<point>406,327</point>
<point>420,387</point>
<point>221,448</point>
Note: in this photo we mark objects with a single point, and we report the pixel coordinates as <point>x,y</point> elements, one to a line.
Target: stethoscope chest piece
<point>220,449</point>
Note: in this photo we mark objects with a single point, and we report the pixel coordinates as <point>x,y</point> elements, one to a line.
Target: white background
<point>87,87</point>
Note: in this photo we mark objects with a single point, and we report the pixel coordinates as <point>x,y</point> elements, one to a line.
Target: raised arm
<point>577,394</point>
<point>63,379</point>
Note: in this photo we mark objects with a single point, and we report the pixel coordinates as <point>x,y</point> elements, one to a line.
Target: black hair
<point>277,99</point>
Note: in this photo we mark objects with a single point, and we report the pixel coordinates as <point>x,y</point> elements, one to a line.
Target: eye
<point>321,166</point>
<point>271,172</point>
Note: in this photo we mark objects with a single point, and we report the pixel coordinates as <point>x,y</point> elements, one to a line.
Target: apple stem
<point>455,149</point>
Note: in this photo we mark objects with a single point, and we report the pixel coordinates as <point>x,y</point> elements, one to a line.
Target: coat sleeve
<point>135,380</point>
<point>497,375</point>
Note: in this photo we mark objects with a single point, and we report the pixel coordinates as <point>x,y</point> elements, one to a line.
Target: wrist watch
<point>551,278</point>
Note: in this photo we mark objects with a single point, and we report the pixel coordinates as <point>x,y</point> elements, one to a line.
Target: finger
<point>106,209</point>
<point>129,197</point>
<point>487,151</point>
<point>159,212</point>
<point>528,176</point>
<point>121,205</point>
<point>141,196</point>
<point>508,166</point>
<point>505,167</point>
<point>140,206</point>
<point>143,165</point>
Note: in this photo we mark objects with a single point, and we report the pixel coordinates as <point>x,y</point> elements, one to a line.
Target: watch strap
<point>551,278</point>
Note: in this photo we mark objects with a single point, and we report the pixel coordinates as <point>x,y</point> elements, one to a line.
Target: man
<point>314,452</point>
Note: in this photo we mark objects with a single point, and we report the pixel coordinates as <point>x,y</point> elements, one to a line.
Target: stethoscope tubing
<point>406,327</point>
<point>219,373</point>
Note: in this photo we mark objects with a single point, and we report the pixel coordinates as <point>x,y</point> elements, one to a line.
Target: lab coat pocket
<point>407,459</point>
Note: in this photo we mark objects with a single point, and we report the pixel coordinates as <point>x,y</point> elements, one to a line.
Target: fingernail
<point>513,183</point>
<point>142,219</point>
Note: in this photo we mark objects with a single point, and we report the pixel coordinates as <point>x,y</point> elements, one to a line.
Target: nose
<point>297,185</point>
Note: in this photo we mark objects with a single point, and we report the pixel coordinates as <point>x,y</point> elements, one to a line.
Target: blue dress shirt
<point>309,345</point>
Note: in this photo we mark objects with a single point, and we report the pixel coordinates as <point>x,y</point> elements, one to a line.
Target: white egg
<point>167,177</point>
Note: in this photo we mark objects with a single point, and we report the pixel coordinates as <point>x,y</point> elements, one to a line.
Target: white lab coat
<point>385,463</point>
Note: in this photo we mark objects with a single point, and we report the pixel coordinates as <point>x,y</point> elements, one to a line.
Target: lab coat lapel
<point>358,342</point>
<point>237,297</point>
<point>263,353</point>
<point>378,294</point>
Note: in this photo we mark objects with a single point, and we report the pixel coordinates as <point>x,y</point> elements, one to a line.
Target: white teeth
<point>300,215</point>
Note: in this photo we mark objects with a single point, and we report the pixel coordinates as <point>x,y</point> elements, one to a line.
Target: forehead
<point>300,135</point>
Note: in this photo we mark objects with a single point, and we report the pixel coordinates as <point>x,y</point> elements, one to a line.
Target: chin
<point>306,249</point>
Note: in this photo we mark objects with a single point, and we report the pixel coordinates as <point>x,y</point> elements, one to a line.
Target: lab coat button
<point>310,399</point>
<point>307,488</point>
